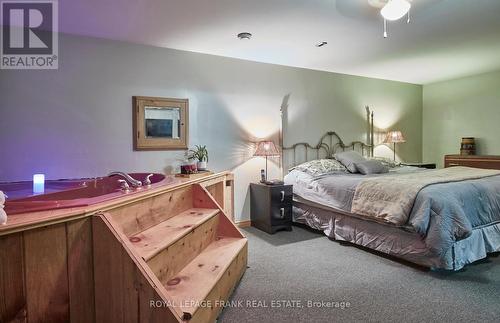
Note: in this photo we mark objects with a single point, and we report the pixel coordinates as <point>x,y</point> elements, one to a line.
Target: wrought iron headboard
<point>329,144</point>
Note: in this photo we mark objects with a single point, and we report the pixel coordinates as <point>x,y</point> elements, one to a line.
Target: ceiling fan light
<point>395,9</point>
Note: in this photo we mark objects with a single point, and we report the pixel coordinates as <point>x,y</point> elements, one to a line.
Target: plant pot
<point>202,165</point>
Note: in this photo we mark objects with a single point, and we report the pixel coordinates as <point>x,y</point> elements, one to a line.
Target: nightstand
<point>421,165</point>
<point>271,207</point>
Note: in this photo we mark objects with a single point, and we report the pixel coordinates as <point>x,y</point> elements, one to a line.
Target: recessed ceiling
<point>446,39</point>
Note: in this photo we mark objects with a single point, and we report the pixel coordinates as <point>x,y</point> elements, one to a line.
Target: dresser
<point>487,162</point>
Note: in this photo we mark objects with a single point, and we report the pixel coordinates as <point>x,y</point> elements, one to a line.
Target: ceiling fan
<point>392,10</point>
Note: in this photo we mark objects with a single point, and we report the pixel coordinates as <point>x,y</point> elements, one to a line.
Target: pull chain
<point>385,28</point>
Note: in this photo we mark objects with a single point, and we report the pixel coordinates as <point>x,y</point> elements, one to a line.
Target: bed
<point>441,219</point>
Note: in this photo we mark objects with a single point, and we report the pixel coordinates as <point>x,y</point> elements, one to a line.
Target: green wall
<point>465,107</point>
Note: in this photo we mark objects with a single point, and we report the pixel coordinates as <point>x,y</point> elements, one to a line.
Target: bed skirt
<point>397,241</point>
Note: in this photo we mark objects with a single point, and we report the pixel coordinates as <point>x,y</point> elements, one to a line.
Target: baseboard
<point>244,224</point>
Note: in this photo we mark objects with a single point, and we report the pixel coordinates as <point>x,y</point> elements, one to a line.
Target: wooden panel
<point>223,290</point>
<point>139,216</point>
<point>46,274</point>
<point>229,198</point>
<point>486,162</point>
<point>116,298</point>
<point>212,181</point>
<point>171,260</point>
<point>80,271</point>
<point>218,192</point>
<point>141,267</point>
<point>12,300</point>
<point>201,198</point>
<point>152,308</point>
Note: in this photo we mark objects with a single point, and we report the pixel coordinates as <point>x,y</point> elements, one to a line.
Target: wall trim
<point>244,224</point>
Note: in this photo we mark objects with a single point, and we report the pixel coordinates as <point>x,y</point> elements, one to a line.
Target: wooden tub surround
<point>171,256</point>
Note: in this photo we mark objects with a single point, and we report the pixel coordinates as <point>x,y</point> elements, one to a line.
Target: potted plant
<point>200,153</point>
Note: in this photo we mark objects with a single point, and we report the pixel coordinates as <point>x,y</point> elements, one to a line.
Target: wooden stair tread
<point>150,242</point>
<point>189,288</point>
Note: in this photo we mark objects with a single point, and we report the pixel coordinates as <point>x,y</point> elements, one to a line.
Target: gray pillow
<point>349,158</point>
<point>371,167</point>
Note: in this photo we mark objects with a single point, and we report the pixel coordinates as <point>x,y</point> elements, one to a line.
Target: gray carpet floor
<point>303,265</point>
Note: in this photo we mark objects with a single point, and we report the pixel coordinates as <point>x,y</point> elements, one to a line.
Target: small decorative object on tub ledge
<point>188,167</point>
<point>3,215</point>
<point>38,184</point>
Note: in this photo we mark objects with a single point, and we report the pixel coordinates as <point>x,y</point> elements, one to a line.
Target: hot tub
<point>68,193</point>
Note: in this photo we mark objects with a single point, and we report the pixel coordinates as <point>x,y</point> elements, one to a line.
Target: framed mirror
<point>160,123</point>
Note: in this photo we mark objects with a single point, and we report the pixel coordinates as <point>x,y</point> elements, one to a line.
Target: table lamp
<point>266,149</point>
<point>394,137</point>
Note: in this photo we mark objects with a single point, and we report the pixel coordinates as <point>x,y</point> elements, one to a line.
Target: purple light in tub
<point>38,183</point>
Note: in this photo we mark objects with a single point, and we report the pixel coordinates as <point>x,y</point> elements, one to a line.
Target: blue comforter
<point>448,212</point>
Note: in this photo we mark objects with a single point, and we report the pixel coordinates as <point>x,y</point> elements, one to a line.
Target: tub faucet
<point>127,177</point>
<point>147,181</point>
<point>124,185</point>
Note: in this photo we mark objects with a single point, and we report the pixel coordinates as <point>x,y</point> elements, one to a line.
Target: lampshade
<point>266,148</point>
<point>395,9</point>
<point>394,137</point>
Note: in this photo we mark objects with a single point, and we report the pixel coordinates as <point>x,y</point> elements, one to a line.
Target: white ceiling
<point>446,39</point>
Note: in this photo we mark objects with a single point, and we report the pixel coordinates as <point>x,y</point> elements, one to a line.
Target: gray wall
<point>77,121</point>
<point>465,107</point>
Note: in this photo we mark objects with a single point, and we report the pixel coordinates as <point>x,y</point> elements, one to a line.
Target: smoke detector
<point>244,36</point>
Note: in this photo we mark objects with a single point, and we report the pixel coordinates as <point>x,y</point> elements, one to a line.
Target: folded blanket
<point>391,198</point>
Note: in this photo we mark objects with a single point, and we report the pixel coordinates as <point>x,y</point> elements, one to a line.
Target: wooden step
<point>193,284</point>
<point>176,256</point>
<point>152,241</point>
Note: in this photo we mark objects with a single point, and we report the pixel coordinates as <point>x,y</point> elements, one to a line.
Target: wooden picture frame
<point>160,133</point>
